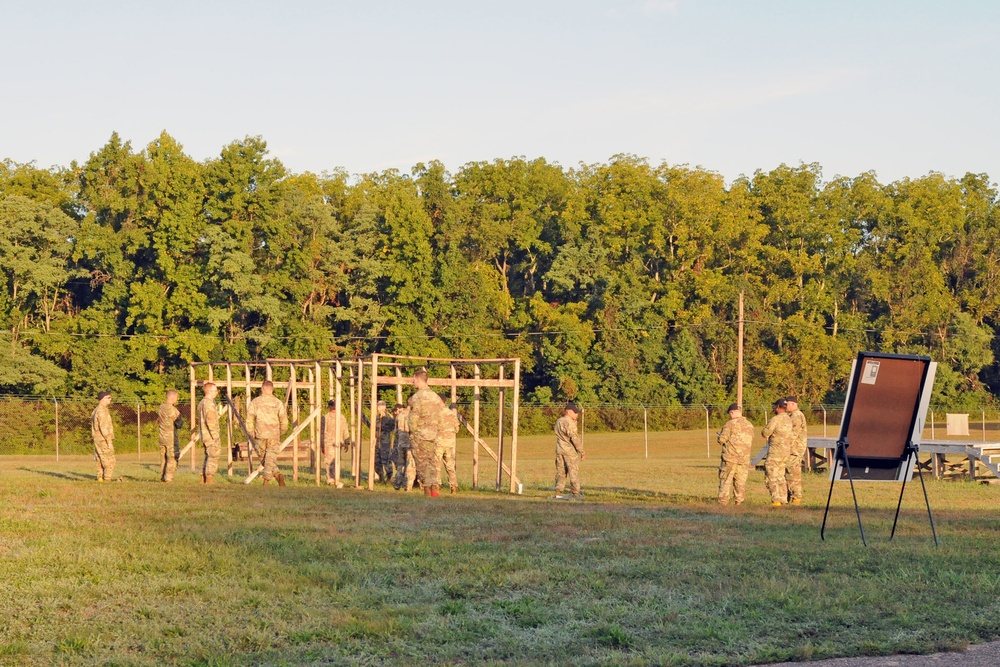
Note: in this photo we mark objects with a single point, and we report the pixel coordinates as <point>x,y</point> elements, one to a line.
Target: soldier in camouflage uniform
<point>168,420</point>
<point>800,441</point>
<point>425,425</point>
<point>384,426</point>
<point>569,453</point>
<point>444,453</point>
<point>266,421</point>
<point>208,431</point>
<point>778,433</point>
<point>406,469</point>
<point>331,443</point>
<point>103,432</point>
<point>736,438</point>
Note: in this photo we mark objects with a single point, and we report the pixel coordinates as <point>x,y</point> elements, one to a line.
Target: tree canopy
<point>615,282</point>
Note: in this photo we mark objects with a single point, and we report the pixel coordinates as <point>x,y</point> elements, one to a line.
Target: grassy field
<point>647,570</point>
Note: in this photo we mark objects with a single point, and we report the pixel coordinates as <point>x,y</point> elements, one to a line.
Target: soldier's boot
<point>796,501</point>
<point>435,491</point>
<point>265,481</point>
<point>209,479</point>
<point>454,489</point>
<point>777,503</point>
<point>281,479</point>
<point>426,489</point>
<point>100,479</point>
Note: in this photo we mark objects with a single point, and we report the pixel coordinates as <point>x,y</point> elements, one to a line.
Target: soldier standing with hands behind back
<point>425,426</point>
<point>168,420</point>
<point>797,450</point>
<point>568,446</point>
<point>266,421</point>
<point>103,431</point>
<point>736,438</point>
<point>208,431</point>
<point>778,433</point>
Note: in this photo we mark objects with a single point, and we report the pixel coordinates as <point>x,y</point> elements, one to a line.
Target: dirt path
<point>980,655</point>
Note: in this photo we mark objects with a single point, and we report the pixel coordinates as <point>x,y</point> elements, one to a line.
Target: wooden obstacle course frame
<point>356,375</point>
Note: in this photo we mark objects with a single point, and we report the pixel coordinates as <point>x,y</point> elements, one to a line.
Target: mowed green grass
<point>647,570</point>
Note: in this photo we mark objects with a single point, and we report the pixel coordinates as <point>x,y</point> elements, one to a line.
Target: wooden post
<point>54,400</point>
<point>514,486</point>
<point>338,388</point>
<point>246,410</point>
<point>932,425</point>
<point>708,434</point>
<point>372,431</point>
<point>229,421</point>
<point>645,430</point>
<point>475,428</point>
<point>454,389</point>
<point>739,359</point>
<point>361,414</point>
<point>500,435</point>
<point>138,430</point>
<point>399,384</point>
<point>194,407</point>
<point>353,421</point>
<point>318,394</point>
<point>293,392</point>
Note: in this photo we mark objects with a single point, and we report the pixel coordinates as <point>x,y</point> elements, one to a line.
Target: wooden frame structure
<point>306,380</point>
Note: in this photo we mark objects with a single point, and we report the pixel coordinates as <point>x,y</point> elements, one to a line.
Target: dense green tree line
<point>615,283</point>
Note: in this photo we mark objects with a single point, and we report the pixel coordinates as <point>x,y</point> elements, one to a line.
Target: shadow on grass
<point>625,493</point>
<point>71,476</point>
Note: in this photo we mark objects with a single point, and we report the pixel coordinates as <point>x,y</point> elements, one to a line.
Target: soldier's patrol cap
<point>103,394</point>
<point>332,403</point>
<point>732,407</point>
<point>400,406</point>
<point>791,399</point>
<point>780,403</point>
<point>572,406</point>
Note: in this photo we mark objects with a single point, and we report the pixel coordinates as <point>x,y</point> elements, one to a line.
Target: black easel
<point>912,459</point>
<point>841,455</point>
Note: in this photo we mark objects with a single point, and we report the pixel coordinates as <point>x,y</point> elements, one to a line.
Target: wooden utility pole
<point>739,359</point>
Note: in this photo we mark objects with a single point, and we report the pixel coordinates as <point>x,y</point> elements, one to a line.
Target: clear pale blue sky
<point>901,88</point>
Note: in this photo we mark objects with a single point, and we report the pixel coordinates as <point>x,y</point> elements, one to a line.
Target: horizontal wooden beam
<point>387,381</point>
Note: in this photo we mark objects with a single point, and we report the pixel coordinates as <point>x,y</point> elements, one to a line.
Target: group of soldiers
<point>417,440</point>
<point>413,444</point>
<point>787,441</point>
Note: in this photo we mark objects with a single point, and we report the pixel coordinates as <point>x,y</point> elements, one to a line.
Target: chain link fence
<point>55,427</point>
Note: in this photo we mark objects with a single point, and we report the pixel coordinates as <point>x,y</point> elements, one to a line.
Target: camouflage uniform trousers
<point>793,472</point>
<point>733,481</point>
<point>329,463</point>
<point>269,447</point>
<point>445,454</point>
<point>567,465</point>
<point>423,456</point>
<point>774,470</point>
<point>168,460</point>
<point>212,449</point>
<point>105,461</point>
<point>383,462</point>
<point>406,470</point>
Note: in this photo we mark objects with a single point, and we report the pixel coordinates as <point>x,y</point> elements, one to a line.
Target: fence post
<point>708,434</point>
<point>54,400</point>
<point>823,408</point>
<point>932,424</point>
<point>645,430</point>
<point>138,430</point>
